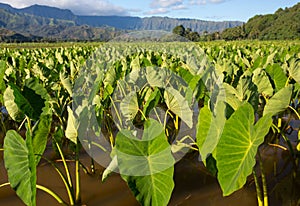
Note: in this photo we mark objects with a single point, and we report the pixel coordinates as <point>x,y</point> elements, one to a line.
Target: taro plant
<point>138,105</point>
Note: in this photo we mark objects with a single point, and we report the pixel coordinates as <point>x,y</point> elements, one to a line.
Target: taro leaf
<point>41,131</point>
<point>277,75</point>
<point>231,96</point>
<point>110,77</point>
<point>147,164</point>
<point>135,63</point>
<point>157,77</point>
<point>261,80</point>
<point>294,70</point>
<point>2,84</point>
<point>72,126</point>
<point>151,101</point>
<point>129,106</point>
<point>113,165</point>
<point>209,129</point>
<point>16,104</point>
<point>28,102</point>
<point>279,102</point>
<point>247,91</point>
<point>20,166</point>
<point>33,84</point>
<point>270,59</point>
<point>178,105</point>
<point>66,82</point>
<point>154,190</point>
<point>237,148</point>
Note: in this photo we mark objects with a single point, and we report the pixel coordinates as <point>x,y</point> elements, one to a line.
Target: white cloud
<point>165,6</point>
<point>165,3</point>
<point>157,11</point>
<point>179,7</point>
<point>216,1</point>
<point>197,2</point>
<point>86,7</point>
<point>203,2</point>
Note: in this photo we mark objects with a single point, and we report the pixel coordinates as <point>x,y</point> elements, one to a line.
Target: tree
<point>179,30</point>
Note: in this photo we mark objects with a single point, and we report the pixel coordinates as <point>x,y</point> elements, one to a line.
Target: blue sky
<point>217,10</point>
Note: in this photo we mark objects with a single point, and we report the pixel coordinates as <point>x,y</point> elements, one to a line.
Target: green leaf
<point>140,163</point>
<point>66,82</point>
<point>41,131</point>
<point>151,101</point>
<point>28,102</point>
<point>113,165</point>
<point>279,102</point>
<point>15,103</point>
<point>157,77</point>
<point>232,96</point>
<point>72,126</point>
<point>135,63</point>
<point>18,105</point>
<point>235,153</point>
<point>20,169</point>
<point>294,70</point>
<point>209,129</point>
<point>178,105</point>
<point>277,75</point>
<point>247,91</point>
<point>261,80</point>
<point>129,106</point>
<point>152,190</point>
<point>2,83</point>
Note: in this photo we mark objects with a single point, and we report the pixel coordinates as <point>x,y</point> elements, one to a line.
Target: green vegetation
<point>187,33</point>
<point>243,91</point>
<point>284,24</point>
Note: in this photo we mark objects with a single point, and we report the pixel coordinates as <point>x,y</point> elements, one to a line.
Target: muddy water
<point>193,185</point>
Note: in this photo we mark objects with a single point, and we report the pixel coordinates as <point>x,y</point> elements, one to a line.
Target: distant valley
<point>53,24</point>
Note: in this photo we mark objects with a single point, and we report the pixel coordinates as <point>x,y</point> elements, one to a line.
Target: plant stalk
<point>258,190</point>
<point>264,181</point>
<point>53,194</point>
<point>77,175</point>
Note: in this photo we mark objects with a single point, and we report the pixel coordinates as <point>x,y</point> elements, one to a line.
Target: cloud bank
<point>166,6</point>
<point>79,7</point>
<point>107,7</point>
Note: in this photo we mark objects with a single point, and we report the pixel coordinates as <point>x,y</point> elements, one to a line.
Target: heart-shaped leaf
<point>279,102</point>
<point>209,129</point>
<point>140,163</point>
<point>20,166</point>
<point>178,105</point>
<point>235,153</point>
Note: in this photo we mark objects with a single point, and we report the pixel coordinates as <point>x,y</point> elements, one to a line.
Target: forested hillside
<point>283,24</point>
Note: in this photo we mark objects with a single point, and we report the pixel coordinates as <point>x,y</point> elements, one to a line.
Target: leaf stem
<point>53,194</point>
<point>264,181</point>
<point>295,111</point>
<point>64,179</point>
<point>5,184</point>
<point>258,190</point>
<point>77,175</point>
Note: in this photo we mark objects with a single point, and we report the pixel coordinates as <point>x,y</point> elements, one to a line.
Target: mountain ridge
<point>122,22</point>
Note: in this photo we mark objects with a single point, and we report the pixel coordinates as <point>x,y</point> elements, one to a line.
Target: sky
<point>214,10</point>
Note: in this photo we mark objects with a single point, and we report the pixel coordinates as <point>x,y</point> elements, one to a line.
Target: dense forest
<point>283,24</point>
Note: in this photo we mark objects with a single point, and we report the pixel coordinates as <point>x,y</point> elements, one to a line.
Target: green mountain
<point>283,24</point>
<point>11,36</point>
<point>61,24</point>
